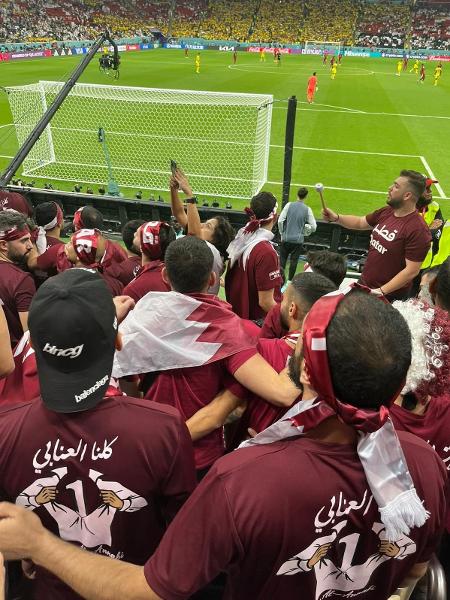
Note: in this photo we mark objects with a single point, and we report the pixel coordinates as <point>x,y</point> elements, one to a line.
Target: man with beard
<point>306,505</point>
<point>400,238</point>
<point>16,287</point>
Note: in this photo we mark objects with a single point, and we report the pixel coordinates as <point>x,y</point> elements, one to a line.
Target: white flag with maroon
<point>168,330</point>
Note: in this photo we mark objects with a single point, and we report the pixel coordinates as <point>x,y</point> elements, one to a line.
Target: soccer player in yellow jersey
<point>333,71</point>
<point>197,62</point>
<point>262,54</point>
<point>415,67</point>
<point>437,73</point>
<point>399,67</point>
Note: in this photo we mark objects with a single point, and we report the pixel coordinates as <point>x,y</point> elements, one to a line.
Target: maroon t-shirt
<point>149,279</point>
<point>129,268</point>
<point>16,292</point>
<point>15,201</point>
<point>120,471</point>
<point>262,273</point>
<point>259,413</point>
<point>272,326</point>
<point>273,509</point>
<point>433,427</point>
<point>22,384</point>
<point>394,239</point>
<point>53,260</point>
<point>191,389</point>
<point>115,252</point>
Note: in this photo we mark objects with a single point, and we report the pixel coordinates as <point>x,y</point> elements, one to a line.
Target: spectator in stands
<point>88,217</point>
<point>6,356</point>
<point>440,286</point>
<point>87,249</point>
<point>14,201</point>
<point>161,343</point>
<point>153,238</point>
<point>16,287</point>
<point>126,509</point>
<point>296,221</point>
<point>253,280</point>
<point>49,218</point>
<point>303,291</point>
<point>129,268</point>
<point>331,265</point>
<point>270,537</point>
<point>400,239</point>
<point>217,231</point>
<point>423,408</point>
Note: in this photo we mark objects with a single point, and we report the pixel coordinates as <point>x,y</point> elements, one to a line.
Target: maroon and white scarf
<point>249,236</point>
<point>378,448</point>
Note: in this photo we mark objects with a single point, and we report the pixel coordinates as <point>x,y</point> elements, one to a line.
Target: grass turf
<point>364,127</point>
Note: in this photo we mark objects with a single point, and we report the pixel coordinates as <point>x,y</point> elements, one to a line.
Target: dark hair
<point>329,264</point>
<point>189,263</point>
<point>263,204</point>
<point>223,234</point>
<point>314,73</point>
<point>45,212</point>
<point>442,284</point>
<point>369,351</point>
<point>11,218</point>
<point>128,231</point>
<point>416,182</point>
<point>167,235</point>
<point>309,287</point>
<point>302,193</point>
<point>91,218</point>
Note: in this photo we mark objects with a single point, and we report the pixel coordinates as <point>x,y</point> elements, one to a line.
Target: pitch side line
<point>432,175</point>
<point>349,111</point>
<point>349,151</point>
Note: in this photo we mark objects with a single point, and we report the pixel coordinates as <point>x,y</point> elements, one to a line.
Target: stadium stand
<point>382,24</point>
<point>431,26</point>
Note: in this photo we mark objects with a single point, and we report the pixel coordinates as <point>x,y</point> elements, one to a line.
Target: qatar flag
<point>22,385</point>
<point>168,330</point>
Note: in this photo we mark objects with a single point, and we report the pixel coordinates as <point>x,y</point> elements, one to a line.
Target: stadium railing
<point>118,211</point>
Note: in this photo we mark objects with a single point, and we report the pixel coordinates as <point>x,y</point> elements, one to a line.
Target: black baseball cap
<point>73,328</point>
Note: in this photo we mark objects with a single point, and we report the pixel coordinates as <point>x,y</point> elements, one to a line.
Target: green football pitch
<point>364,127</point>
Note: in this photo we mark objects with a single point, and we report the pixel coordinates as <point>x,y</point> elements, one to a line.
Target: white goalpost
<point>316,46</point>
<point>221,140</point>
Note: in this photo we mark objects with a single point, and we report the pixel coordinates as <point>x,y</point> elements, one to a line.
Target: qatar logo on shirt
<point>274,275</point>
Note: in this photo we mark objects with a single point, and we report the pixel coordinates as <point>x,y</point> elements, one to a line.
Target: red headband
<point>14,233</point>
<point>85,243</point>
<point>255,223</point>
<point>77,220</point>
<point>150,238</point>
<point>315,327</point>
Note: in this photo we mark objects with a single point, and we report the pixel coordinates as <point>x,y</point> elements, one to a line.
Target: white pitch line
<point>329,187</point>
<point>348,111</point>
<point>432,176</point>
<point>7,125</point>
<point>334,106</point>
<point>349,151</point>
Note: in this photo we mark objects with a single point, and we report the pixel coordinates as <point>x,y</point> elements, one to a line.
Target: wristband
<point>192,200</point>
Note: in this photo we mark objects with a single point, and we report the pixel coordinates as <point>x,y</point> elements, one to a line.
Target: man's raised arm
<point>347,221</point>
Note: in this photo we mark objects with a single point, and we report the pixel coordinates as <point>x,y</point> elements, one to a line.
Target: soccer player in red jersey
<point>311,88</point>
<point>422,73</point>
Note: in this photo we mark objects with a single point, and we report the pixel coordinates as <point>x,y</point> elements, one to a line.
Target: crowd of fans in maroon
<point>207,445</point>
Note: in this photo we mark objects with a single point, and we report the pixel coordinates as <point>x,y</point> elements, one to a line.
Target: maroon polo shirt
<point>129,268</point>
<point>17,289</point>
<point>149,279</point>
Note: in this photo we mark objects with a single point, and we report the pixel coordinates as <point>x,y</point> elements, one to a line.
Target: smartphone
<point>173,166</point>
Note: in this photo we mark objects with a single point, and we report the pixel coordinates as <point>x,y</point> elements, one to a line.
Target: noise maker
<point>319,189</point>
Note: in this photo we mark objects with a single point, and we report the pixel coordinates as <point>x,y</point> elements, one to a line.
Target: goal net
<point>221,140</point>
<point>318,46</point>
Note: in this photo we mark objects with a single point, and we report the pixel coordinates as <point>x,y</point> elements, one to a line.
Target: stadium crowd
<point>191,443</point>
<point>383,25</point>
<point>386,23</point>
<point>431,26</point>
